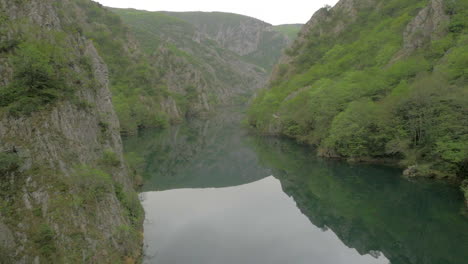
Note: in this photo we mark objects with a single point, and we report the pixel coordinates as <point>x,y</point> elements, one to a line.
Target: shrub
<point>38,78</point>
<point>128,238</point>
<point>130,201</point>
<point>110,159</point>
<point>9,162</point>
<point>92,183</point>
<point>44,238</point>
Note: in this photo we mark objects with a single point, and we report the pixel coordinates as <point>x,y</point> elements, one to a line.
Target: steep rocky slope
<point>66,193</point>
<point>372,79</point>
<point>140,94</point>
<point>254,40</point>
<point>206,59</point>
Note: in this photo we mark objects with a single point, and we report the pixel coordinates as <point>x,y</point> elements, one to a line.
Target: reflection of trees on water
<point>370,208</point>
<point>199,154</point>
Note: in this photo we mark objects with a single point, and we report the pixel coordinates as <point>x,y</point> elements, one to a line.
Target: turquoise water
<point>215,194</point>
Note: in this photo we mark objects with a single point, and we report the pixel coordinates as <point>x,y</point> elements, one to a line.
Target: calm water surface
<point>214,194</point>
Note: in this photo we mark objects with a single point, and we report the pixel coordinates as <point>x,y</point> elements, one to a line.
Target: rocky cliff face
<point>428,25</point>
<point>69,196</point>
<point>240,34</point>
<point>255,41</point>
<point>205,78</point>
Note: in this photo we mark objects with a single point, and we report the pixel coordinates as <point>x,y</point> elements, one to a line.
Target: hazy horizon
<point>290,12</point>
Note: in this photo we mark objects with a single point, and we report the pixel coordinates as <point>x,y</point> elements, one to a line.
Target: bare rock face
<point>240,34</point>
<point>6,237</point>
<point>429,24</point>
<point>216,79</point>
<point>426,26</point>
<point>42,199</point>
<point>347,9</point>
<point>243,38</point>
<point>38,12</point>
<point>411,171</point>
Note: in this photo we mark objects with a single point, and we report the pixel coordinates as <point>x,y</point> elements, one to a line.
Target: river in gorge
<point>215,194</point>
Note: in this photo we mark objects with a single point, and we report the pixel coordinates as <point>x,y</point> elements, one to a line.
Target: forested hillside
<point>375,79</point>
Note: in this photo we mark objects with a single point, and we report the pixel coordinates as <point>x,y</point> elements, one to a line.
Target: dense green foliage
<point>355,95</point>
<point>39,68</point>
<point>94,184</point>
<point>8,162</point>
<point>44,238</point>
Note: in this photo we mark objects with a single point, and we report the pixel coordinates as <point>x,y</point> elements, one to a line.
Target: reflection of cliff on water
<point>370,208</point>
<point>199,154</point>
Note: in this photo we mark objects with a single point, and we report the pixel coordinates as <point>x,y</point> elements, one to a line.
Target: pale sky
<point>271,11</point>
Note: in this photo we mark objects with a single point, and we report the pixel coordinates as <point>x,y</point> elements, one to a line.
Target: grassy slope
<point>344,93</point>
<point>290,30</point>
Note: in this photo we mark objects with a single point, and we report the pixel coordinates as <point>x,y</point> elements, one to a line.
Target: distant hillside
<point>256,41</point>
<point>290,30</point>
